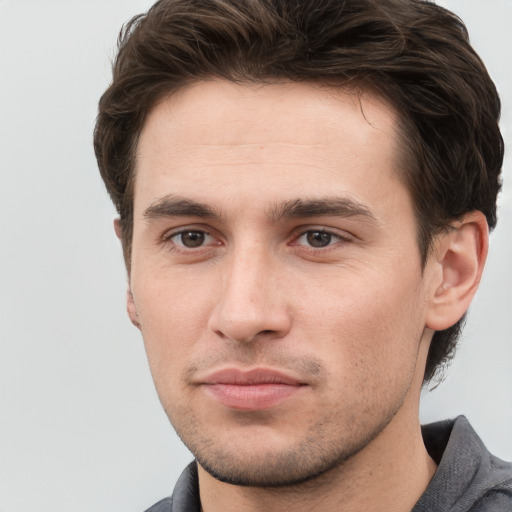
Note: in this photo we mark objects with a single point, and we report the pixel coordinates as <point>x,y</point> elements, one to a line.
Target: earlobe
<point>459,256</point>
<point>132,310</point>
<point>130,303</point>
<point>118,228</point>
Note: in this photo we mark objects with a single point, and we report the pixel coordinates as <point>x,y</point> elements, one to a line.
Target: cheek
<point>172,322</point>
<point>367,333</point>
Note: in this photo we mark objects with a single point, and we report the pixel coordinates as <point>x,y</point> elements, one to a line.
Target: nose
<point>252,302</point>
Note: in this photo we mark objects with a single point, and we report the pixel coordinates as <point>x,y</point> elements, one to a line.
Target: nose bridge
<point>251,302</point>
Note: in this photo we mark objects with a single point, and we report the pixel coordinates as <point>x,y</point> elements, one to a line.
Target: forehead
<point>200,104</point>
<point>270,142</point>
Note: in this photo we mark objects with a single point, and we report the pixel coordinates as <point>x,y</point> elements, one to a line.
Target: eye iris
<point>318,238</point>
<point>192,238</point>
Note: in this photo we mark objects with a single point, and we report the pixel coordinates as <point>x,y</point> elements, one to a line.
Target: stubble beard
<point>325,446</point>
<point>317,454</point>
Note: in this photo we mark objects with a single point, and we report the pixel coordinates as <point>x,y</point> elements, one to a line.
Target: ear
<point>131,309</point>
<point>118,228</point>
<point>130,303</point>
<point>458,261</point>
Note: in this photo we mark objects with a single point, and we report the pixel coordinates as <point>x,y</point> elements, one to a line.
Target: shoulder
<point>498,497</point>
<point>469,478</point>
<point>164,505</point>
<point>495,500</point>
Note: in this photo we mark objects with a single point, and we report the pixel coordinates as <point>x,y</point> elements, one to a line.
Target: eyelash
<point>334,239</point>
<point>169,238</point>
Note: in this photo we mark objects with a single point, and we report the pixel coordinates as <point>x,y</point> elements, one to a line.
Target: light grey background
<point>81,429</point>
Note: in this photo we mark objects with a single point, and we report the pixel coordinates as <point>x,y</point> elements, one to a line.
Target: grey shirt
<point>468,477</point>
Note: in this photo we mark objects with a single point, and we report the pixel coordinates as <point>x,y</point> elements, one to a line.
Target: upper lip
<point>250,377</point>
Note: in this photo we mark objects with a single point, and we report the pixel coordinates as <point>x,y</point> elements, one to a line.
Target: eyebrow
<point>335,206</point>
<point>172,206</point>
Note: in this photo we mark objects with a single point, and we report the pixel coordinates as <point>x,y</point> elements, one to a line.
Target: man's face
<point>276,276</point>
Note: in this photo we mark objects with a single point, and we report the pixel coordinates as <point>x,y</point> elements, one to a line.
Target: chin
<point>274,462</point>
<point>270,470</point>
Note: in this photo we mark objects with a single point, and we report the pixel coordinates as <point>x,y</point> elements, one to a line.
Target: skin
<point>230,270</point>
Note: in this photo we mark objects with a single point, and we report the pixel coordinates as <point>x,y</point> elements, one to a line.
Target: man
<point>305,191</point>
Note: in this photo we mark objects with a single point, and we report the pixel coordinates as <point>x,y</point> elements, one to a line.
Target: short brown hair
<point>413,53</point>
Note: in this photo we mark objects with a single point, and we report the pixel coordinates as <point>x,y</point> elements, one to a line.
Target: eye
<point>191,238</point>
<point>318,238</point>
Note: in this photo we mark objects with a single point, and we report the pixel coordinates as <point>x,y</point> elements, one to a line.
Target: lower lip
<point>253,397</point>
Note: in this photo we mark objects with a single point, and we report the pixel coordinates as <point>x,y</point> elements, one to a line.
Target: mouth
<point>251,390</point>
